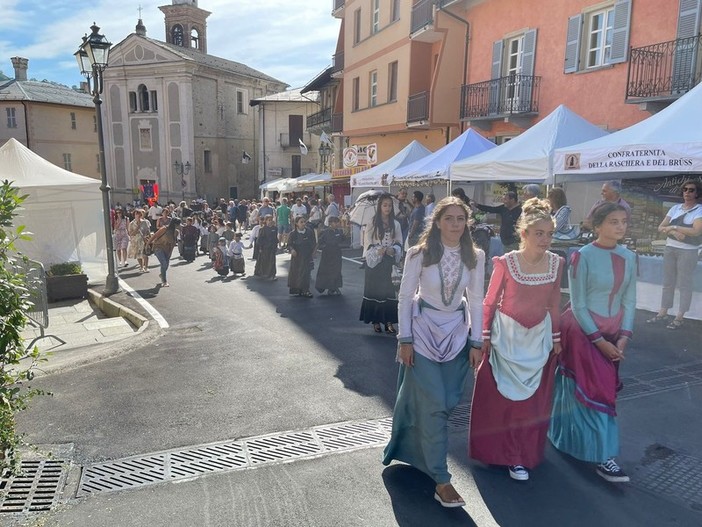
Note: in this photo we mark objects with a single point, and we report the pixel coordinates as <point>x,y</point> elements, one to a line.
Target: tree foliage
<point>15,303</point>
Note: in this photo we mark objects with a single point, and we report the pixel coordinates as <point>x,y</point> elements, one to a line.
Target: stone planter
<point>66,287</point>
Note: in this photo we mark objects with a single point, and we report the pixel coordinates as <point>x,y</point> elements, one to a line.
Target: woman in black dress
<point>329,272</point>
<point>302,245</point>
<point>267,242</point>
<point>382,250</point>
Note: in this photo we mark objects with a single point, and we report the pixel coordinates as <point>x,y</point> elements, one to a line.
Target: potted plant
<point>65,281</point>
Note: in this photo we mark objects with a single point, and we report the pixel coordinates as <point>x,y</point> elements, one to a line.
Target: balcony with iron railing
<point>514,94</point>
<point>418,108</point>
<point>337,8</point>
<point>664,71</point>
<point>337,123</point>
<point>337,63</point>
<point>319,119</point>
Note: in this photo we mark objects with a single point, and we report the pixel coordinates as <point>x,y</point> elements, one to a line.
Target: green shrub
<point>66,268</point>
<point>15,393</point>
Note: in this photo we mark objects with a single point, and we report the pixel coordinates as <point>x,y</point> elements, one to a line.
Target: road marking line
<point>143,303</point>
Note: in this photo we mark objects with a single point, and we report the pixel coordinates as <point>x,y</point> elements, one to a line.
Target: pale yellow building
<point>402,67</point>
<point>55,121</point>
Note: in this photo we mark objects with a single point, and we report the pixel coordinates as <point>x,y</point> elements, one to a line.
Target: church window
<point>132,101</point>
<point>143,98</point>
<point>177,35</point>
<point>154,101</point>
<point>195,39</point>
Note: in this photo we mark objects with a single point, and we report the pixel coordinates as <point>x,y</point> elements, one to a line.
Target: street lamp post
<point>324,152</point>
<point>92,60</point>
<point>182,169</point>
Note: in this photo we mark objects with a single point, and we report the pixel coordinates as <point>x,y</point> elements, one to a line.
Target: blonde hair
<point>534,210</point>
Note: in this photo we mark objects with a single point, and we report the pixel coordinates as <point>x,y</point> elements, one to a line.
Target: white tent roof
<point>669,142</point>
<point>529,156</point>
<point>314,180</point>
<point>436,166</point>
<point>376,176</point>
<point>63,211</point>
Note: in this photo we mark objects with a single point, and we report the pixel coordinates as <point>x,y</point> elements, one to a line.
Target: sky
<point>290,40</point>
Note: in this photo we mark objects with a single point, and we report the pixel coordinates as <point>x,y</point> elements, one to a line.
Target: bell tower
<point>186,24</point>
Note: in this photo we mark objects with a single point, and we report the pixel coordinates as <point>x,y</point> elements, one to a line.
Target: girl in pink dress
<point>514,380</point>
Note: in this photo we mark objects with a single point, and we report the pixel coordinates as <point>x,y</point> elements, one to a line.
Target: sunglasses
<point>689,189</point>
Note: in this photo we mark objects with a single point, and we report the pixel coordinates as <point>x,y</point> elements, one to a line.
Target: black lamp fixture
<point>324,152</point>
<point>182,169</point>
<point>92,56</point>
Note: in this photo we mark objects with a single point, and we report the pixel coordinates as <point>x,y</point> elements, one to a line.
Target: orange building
<point>427,69</point>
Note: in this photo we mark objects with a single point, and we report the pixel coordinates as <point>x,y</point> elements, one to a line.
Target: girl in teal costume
<point>595,331</point>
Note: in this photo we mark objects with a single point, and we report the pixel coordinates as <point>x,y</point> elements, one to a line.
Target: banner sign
<point>361,155</point>
<point>632,158</point>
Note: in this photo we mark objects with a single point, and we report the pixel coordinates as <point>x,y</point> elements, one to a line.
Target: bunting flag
<point>245,157</point>
<point>303,148</point>
<point>324,138</point>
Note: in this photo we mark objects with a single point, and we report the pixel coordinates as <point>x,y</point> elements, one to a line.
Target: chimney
<point>20,64</point>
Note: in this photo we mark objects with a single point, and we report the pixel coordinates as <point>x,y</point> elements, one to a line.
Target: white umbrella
<point>366,204</point>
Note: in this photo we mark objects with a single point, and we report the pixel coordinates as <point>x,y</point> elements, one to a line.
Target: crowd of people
<point>543,372</point>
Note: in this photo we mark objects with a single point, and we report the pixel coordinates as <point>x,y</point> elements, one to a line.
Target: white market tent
<point>436,166</point>
<point>314,180</point>
<point>667,143</point>
<point>529,156</point>
<point>63,211</point>
<point>377,176</point>
<point>278,185</point>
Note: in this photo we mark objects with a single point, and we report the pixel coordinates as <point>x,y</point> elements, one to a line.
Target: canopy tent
<point>63,211</point>
<point>529,156</point>
<point>279,185</point>
<point>669,142</point>
<point>314,180</point>
<point>377,176</point>
<point>436,166</point>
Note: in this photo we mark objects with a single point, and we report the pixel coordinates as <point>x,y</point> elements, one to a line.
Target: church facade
<point>170,104</point>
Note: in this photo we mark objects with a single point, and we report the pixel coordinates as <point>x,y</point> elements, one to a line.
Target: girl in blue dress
<point>595,332</point>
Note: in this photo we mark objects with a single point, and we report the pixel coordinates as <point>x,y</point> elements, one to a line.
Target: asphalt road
<point>242,358</point>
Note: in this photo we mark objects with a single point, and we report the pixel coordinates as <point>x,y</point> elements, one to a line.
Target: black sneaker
<point>610,471</point>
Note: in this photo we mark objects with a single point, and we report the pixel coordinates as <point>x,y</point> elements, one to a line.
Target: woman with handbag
<point>163,241</point>
<point>383,249</point>
<point>139,230</point>
<point>683,228</point>
<point>440,311</point>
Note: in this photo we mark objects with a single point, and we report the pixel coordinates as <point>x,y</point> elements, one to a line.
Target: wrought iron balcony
<point>511,95</point>
<point>422,14</point>
<point>665,70</point>
<point>338,4</point>
<point>418,107</point>
<point>337,123</point>
<point>338,62</point>
<point>319,118</point>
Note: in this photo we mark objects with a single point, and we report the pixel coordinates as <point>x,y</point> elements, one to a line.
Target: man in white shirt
<point>429,207</point>
<point>154,214</point>
<point>297,210</point>
<point>332,210</point>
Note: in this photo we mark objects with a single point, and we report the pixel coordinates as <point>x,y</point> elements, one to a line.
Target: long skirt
<point>299,275</point>
<point>506,432</point>
<point>579,431</point>
<point>426,394</point>
<point>329,272</point>
<point>265,263</point>
<point>583,422</point>
<point>379,294</point>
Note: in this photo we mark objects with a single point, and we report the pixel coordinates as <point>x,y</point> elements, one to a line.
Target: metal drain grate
<point>174,465</point>
<point>36,489</point>
<point>664,471</point>
<point>663,380</point>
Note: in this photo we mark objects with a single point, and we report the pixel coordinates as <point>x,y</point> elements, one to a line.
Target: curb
<point>113,309</point>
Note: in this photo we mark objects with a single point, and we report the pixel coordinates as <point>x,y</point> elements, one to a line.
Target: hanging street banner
<point>361,155</point>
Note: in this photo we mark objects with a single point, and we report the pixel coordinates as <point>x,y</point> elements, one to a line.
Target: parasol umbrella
<point>366,204</point>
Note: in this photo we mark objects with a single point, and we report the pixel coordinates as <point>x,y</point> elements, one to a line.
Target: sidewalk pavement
<point>85,330</point>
